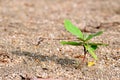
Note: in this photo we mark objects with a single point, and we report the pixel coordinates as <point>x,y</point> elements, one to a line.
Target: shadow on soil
<point>63,61</point>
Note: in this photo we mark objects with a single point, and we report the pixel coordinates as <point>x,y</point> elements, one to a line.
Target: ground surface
<point>23,23</point>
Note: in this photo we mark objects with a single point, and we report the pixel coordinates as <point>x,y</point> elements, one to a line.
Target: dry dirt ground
<point>24,24</point>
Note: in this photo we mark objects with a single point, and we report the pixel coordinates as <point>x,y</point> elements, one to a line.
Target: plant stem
<point>85,52</point>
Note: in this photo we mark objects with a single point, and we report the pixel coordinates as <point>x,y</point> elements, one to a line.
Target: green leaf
<point>85,36</point>
<point>71,43</point>
<point>91,51</point>
<point>100,44</point>
<point>93,35</point>
<point>73,29</point>
<point>94,47</point>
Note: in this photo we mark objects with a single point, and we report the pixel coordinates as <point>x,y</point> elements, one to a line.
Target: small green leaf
<point>73,29</point>
<point>91,51</point>
<point>100,44</point>
<point>94,47</point>
<point>85,36</point>
<point>93,35</point>
<point>71,43</point>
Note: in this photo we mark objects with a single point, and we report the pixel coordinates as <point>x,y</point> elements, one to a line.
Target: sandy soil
<point>24,23</point>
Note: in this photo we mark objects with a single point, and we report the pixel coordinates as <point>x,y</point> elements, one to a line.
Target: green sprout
<point>89,47</point>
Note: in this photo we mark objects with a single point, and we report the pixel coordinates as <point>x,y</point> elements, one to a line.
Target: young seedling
<point>89,47</point>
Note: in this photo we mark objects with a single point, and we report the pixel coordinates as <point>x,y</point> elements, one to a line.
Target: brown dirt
<point>24,22</point>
